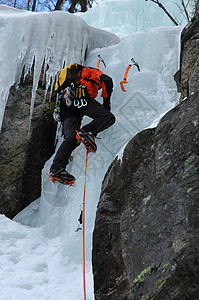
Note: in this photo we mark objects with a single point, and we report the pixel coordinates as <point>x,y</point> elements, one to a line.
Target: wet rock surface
<point>145,241</point>
<point>187,77</point>
<point>23,155</point>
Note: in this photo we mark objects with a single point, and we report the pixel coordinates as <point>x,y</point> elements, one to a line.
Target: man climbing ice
<point>77,87</point>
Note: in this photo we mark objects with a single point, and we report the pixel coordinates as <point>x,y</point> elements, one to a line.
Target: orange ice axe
<point>133,62</point>
<point>98,61</point>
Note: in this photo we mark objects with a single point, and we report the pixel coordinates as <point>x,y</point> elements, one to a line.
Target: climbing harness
<point>126,73</point>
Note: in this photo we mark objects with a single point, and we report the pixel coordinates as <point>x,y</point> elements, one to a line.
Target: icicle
<point>37,72</point>
<point>3,97</point>
<point>39,41</point>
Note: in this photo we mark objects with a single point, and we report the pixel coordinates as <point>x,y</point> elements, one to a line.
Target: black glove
<point>107,104</point>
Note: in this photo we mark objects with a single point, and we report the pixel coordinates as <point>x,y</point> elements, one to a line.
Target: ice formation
<point>48,40</point>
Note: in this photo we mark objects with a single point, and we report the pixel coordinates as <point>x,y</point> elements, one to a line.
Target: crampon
<point>88,140</point>
<point>61,180</point>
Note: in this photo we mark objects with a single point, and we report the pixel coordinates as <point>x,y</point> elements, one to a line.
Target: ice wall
<point>149,95</point>
<point>128,16</point>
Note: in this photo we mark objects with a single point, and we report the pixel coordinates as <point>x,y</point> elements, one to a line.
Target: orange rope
<point>83,229</point>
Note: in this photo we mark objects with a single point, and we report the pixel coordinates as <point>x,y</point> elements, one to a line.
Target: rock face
<point>23,155</point>
<point>187,77</point>
<point>146,236</point>
<point>145,243</point>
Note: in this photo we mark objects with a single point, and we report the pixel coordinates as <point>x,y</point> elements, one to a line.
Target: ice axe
<point>98,61</point>
<point>133,62</point>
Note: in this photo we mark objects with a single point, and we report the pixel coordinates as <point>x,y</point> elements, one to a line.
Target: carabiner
<point>84,102</point>
<point>79,104</point>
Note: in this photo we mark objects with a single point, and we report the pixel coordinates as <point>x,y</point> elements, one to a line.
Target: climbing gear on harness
<point>81,96</point>
<point>80,91</point>
<point>133,62</point>
<point>80,103</point>
<point>69,94</point>
<point>88,139</point>
<point>56,114</point>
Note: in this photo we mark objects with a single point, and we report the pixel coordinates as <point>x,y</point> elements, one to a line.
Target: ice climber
<point>77,87</point>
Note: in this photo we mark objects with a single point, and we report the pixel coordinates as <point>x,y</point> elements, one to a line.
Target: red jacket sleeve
<point>91,77</point>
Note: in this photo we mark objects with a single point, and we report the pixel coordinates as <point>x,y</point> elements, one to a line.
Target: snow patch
<point>120,153</point>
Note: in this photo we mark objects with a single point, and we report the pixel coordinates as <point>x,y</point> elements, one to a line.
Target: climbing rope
<point>83,230</point>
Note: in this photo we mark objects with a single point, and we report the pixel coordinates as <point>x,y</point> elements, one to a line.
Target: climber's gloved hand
<point>107,104</point>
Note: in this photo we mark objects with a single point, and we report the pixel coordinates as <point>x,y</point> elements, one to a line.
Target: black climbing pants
<point>102,119</point>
